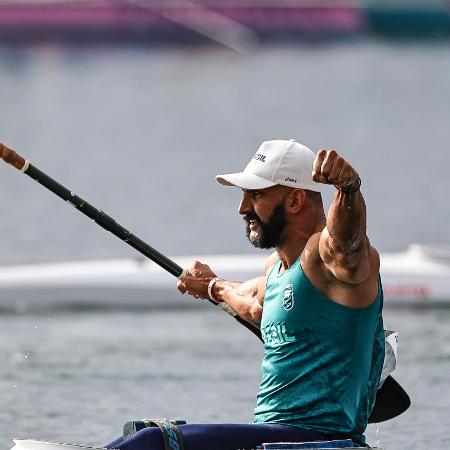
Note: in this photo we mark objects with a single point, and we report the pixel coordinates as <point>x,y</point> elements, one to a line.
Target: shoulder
<point>351,294</point>
<point>270,262</point>
<point>311,253</point>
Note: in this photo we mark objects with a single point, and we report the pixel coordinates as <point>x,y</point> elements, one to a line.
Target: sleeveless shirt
<point>322,360</point>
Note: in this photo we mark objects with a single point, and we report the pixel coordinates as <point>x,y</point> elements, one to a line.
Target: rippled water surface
<point>79,377</point>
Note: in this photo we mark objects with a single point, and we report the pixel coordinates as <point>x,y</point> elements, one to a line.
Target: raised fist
<point>331,168</point>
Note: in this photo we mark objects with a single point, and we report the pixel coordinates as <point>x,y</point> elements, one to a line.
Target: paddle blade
<point>391,401</point>
<point>11,157</point>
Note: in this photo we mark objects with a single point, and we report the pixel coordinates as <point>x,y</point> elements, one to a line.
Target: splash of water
<point>377,436</point>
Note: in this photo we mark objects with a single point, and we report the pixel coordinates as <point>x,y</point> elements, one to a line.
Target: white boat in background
<point>119,283</point>
<point>420,275</point>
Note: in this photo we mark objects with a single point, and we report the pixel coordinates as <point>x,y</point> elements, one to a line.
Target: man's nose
<point>245,206</point>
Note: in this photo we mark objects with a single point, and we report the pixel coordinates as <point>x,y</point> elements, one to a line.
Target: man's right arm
<point>246,298</point>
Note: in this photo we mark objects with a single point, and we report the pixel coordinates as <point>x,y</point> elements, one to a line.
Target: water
<point>79,378</point>
<point>141,133</point>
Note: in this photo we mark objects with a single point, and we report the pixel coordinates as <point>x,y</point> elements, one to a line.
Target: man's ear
<point>295,201</point>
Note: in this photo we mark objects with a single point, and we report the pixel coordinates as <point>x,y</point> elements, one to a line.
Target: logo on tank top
<point>288,297</point>
<point>276,333</point>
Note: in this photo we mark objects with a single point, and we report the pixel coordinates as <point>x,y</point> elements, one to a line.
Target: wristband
<point>211,287</point>
<point>344,191</point>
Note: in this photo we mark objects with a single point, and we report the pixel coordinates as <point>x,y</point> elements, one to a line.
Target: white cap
<point>288,163</point>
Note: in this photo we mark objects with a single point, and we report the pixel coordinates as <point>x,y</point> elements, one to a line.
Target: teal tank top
<point>322,360</point>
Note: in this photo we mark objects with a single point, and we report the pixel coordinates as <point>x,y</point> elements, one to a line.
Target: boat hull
<point>414,277</point>
<point>30,444</point>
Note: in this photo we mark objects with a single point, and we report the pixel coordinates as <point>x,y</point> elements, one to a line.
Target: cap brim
<point>244,181</point>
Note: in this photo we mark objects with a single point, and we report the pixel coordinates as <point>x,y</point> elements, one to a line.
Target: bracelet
<point>210,288</point>
<point>344,191</point>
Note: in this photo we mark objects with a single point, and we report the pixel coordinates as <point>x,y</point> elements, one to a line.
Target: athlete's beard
<point>269,234</point>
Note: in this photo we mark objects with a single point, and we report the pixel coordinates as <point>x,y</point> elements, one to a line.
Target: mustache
<point>251,216</point>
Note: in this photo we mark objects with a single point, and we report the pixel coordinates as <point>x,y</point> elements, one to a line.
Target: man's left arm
<point>343,245</point>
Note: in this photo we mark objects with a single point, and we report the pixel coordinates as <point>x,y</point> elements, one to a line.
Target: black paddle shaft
<point>105,221</point>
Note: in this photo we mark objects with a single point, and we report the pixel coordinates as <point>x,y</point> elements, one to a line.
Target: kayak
<point>418,276</point>
<point>30,444</point>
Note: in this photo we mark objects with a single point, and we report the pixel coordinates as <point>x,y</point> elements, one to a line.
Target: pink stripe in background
<point>107,15</point>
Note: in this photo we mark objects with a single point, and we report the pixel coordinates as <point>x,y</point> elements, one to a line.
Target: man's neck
<point>288,255</point>
<point>295,243</point>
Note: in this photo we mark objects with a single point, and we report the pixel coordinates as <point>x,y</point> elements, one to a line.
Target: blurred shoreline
<point>238,25</point>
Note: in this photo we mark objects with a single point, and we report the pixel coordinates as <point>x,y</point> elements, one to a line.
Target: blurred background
<point>136,105</point>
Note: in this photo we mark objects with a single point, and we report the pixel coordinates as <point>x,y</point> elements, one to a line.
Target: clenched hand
<point>330,168</point>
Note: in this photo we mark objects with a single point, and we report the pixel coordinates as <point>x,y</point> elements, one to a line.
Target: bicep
<point>255,288</point>
<point>352,264</point>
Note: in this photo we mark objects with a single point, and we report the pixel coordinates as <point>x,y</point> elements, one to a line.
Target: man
<point>318,305</point>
